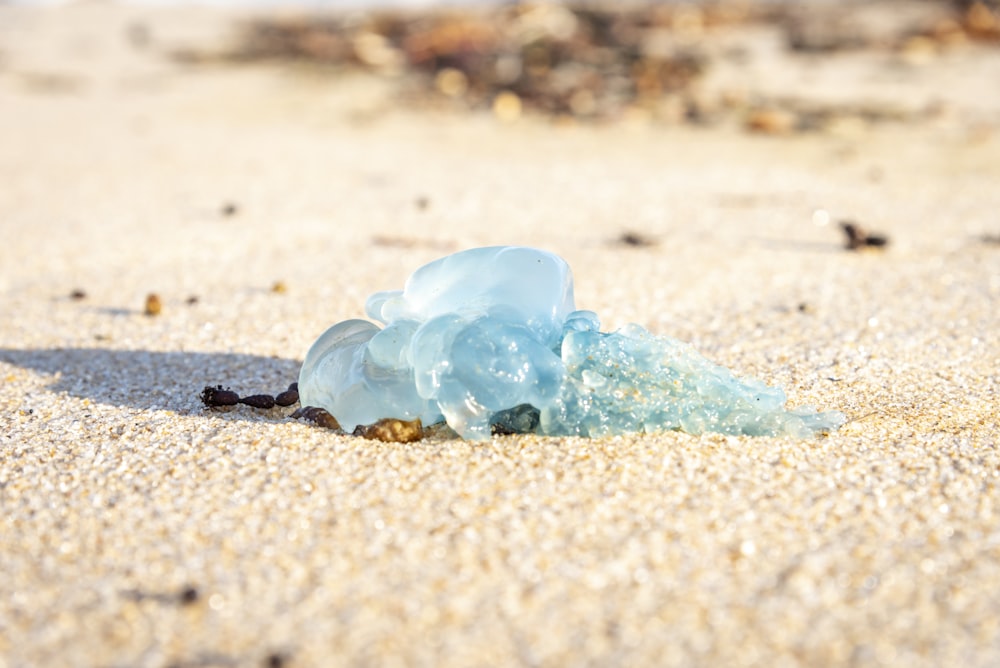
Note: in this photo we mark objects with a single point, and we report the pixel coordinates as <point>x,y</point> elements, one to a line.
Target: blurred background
<point>757,63</point>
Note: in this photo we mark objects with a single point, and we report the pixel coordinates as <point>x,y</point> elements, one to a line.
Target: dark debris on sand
<point>595,63</point>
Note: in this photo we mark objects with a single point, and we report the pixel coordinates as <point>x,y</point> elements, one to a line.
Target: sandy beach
<point>263,202</point>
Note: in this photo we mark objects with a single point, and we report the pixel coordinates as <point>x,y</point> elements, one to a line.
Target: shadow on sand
<point>153,380</point>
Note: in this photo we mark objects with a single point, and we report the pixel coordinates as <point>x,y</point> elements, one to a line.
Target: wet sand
<point>140,529</point>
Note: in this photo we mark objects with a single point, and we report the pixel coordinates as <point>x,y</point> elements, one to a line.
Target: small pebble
<point>391,430</point>
<point>318,416</point>
<point>188,595</point>
<point>153,305</point>
<point>771,121</point>
<point>636,239</point>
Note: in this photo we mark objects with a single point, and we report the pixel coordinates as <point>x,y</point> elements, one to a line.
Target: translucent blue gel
<point>490,339</point>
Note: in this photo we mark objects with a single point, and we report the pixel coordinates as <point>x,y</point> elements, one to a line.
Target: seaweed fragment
<point>859,238</point>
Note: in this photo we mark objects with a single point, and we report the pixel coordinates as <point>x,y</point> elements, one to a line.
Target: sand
<point>140,529</point>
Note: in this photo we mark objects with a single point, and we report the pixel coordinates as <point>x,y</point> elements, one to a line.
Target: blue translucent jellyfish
<point>489,340</point>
